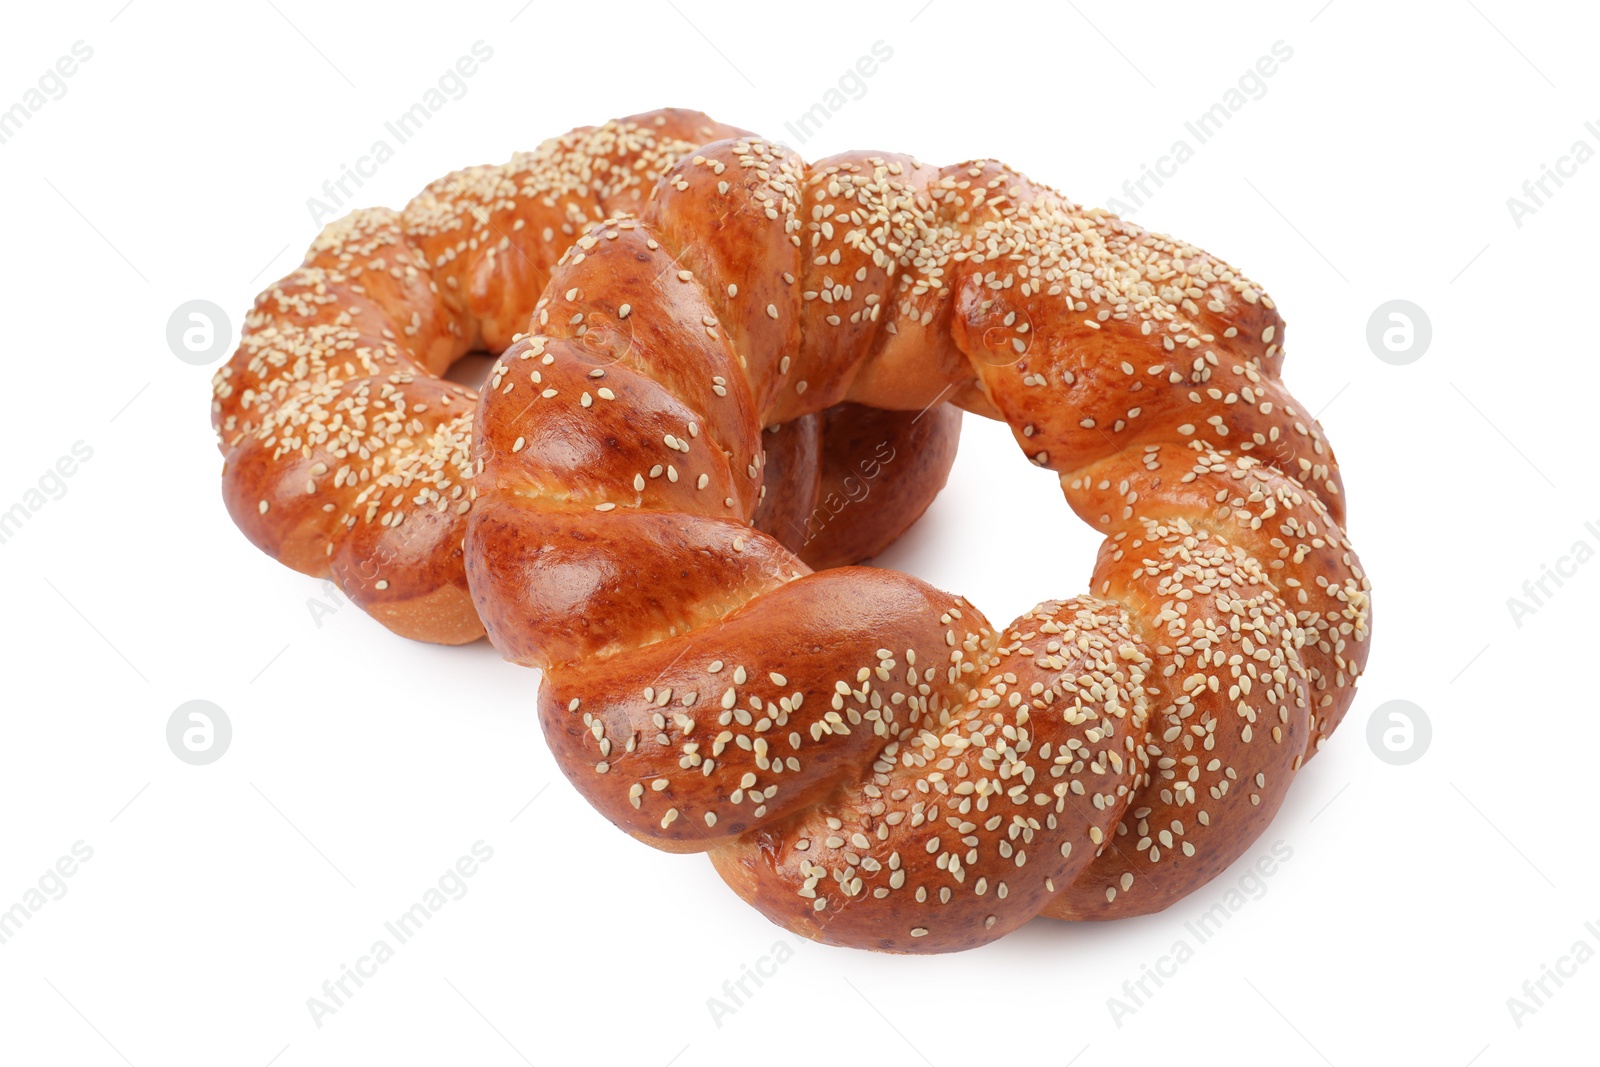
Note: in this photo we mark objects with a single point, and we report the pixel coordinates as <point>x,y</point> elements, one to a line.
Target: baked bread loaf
<point>347,456</point>
<point>868,760</point>
<point>691,315</point>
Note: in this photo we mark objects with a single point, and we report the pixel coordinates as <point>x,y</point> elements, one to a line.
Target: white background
<point>1377,166</point>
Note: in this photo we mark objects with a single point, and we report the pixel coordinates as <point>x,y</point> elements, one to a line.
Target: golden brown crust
<point>1227,620</point>
<point>1037,786</point>
<point>842,485</point>
<point>733,724</point>
<point>869,762</point>
<point>880,472</point>
<point>791,481</point>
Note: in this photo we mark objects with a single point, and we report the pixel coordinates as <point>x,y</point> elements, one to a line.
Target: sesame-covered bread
<point>868,760</point>
<point>347,455</point>
<point>725,369</point>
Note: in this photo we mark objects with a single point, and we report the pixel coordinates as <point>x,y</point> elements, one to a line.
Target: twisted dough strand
<point>866,759</point>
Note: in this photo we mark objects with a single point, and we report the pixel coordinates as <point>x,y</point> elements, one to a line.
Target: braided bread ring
<point>347,456</point>
<point>866,759</point>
